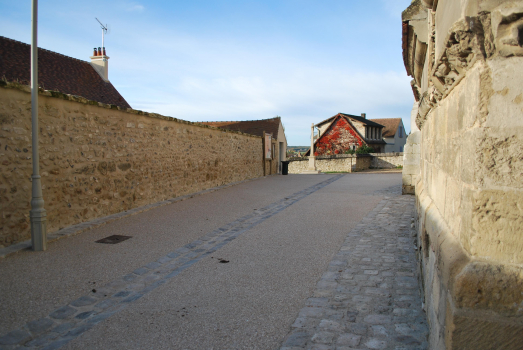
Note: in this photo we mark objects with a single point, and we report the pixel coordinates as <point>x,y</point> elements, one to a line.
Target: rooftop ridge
<point>237,121</point>
<point>384,118</point>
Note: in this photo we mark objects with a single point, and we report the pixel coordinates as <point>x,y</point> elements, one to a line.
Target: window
<point>401,131</point>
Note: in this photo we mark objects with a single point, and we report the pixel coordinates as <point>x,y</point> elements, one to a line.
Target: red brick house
<point>57,72</point>
<point>344,132</point>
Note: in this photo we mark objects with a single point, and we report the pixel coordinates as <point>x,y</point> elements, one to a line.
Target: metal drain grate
<point>113,239</point>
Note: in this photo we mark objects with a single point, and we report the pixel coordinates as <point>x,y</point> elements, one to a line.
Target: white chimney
<point>100,63</point>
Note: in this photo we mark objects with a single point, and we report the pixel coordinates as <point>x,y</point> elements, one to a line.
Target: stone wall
<point>97,160</point>
<point>348,162</point>
<point>411,155</point>
<point>386,160</point>
<point>467,65</point>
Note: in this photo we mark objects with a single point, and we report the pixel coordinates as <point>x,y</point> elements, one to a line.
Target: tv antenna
<point>105,30</point>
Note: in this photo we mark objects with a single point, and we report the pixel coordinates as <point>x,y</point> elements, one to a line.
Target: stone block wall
<point>348,162</point>
<point>386,160</point>
<point>96,160</point>
<point>411,163</point>
<point>363,162</point>
<point>467,63</point>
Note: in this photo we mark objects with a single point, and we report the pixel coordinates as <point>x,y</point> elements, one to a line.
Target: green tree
<point>364,149</point>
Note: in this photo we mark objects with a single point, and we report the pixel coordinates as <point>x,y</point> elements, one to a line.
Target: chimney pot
<point>364,115</point>
<point>100,62</point>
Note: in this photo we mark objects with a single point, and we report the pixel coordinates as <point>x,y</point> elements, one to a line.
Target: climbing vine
<point>340,138</point>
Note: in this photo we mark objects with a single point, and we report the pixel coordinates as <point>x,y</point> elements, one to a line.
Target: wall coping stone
<point>74,98</point>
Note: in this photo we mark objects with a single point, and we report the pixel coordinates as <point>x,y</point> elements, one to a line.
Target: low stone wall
<point>386,160</point>
<point>341,164</point>
<point>98,160</point>
<point>348,162</point>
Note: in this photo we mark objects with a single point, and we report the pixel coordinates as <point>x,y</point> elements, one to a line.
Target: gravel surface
<point>248,303</point>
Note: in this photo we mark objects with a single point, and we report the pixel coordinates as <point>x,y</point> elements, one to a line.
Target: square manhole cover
<point>113,239</point>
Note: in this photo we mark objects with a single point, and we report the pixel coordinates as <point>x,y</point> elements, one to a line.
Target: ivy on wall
<point>339,138</point>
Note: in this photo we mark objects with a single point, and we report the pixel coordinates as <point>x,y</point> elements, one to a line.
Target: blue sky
<point>203,60</point>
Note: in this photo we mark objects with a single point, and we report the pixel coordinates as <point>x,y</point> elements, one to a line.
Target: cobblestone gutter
<point>369,297</point>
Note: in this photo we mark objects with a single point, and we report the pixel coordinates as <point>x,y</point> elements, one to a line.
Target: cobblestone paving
<point>68,322</point>
<point>369,296</point>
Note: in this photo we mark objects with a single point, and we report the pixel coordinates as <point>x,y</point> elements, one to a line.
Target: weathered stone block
<point>497,220</point>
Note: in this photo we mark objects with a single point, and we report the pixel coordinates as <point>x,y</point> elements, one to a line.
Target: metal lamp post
<point>37,214</point>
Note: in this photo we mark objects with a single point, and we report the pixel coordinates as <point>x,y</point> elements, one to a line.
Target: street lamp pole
<point>37,214</point>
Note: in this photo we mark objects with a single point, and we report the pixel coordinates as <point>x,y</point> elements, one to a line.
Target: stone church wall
<point>97,160</point>
<point>467,64</point>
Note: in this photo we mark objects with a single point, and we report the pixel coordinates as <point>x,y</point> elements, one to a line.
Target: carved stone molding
<point>469,40</point>
<point>507,29</point>
<point>465,44</point>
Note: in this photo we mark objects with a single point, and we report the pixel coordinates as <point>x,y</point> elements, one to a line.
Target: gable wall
<point>360,127</point>
<point>395,143</point>
<point>338,138</point>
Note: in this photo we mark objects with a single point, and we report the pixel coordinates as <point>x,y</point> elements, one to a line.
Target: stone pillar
<point>312,158</point>
<point>411,156</point>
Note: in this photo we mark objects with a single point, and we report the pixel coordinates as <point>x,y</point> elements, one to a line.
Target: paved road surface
<point>278,262</point>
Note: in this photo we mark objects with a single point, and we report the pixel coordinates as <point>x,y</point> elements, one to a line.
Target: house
<point>393,134</point>
<point>271,126</point>
<point>345,132</point>
<point>61,73</point>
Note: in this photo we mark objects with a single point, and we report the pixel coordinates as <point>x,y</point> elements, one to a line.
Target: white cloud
<point>302,95</point>
<point>136,8</point>
<point>198,78</point>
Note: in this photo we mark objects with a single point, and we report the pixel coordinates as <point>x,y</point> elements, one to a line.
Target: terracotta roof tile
<point>56,72</point>
<point>390,124</point>
<point>252,127</point>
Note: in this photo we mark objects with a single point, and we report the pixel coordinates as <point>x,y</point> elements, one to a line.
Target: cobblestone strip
<point>369,296</point>
<point>68,322</point>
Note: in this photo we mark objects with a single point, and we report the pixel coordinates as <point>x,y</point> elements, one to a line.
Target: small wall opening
<point>425,243</point>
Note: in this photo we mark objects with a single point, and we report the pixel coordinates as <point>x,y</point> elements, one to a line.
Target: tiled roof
<point>355,117</point>
<point>56,72</point>
<point>252,127</point>
<point>390,124</point>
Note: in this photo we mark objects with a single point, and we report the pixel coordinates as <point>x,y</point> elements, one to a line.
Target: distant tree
<point>364,149</point>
